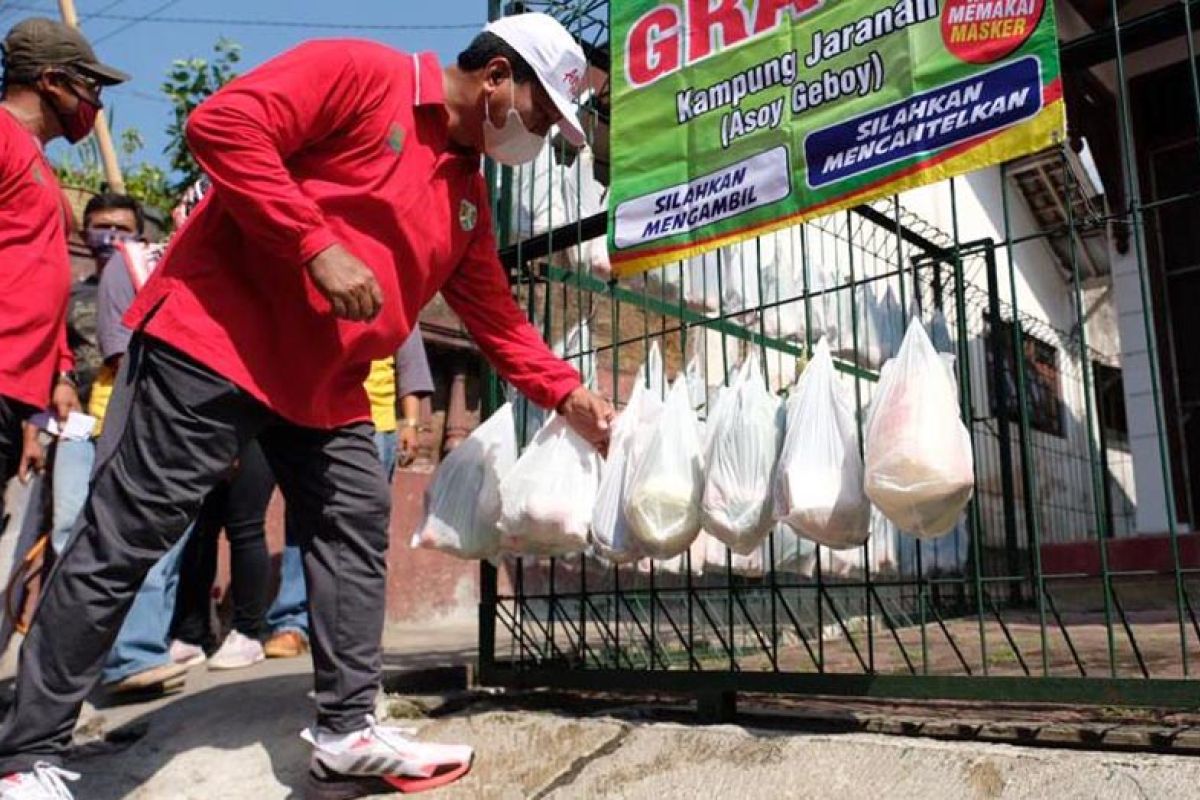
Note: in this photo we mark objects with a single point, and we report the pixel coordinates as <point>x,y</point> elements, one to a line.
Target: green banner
<point>732,118</point>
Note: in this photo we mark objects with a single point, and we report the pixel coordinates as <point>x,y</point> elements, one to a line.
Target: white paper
<point>78,428</point>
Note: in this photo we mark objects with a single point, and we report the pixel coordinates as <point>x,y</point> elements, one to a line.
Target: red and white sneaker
<point>353,765</point>
<point>43,782</point>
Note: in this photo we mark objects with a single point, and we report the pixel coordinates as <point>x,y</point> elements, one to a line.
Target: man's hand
<point>590,415</point>
<point>347,283</point>
<point>408,439</point>
<point>65,399</point>
<point>33,455</point>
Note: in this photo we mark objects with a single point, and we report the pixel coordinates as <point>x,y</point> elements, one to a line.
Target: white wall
<point>1140,408</point>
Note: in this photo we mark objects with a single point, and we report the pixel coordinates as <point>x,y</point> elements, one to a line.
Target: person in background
<point>406,374</point>
<point>238,505</point>
<point>108,219</point>
<point>51,90</point>
<point>347,193</point>
<point>140,662</point>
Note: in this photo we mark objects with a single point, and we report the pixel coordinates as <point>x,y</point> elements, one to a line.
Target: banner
<point>732,118</point>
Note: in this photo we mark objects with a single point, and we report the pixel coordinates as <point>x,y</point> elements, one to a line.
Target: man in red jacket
<point>52,83</point>
<point>346,193</point>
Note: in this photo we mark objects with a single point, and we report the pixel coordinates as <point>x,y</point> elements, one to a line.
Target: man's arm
<point>64,397</point>
<point>114,296</point>
<point>478,292</point>
<point>242,137</point>
<point>413,381</point>
<point>413,377</point>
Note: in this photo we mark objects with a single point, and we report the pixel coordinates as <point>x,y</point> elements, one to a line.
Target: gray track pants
<point>172,430</point>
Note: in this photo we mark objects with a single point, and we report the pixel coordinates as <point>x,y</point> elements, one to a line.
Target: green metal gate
<point>1060,283</point>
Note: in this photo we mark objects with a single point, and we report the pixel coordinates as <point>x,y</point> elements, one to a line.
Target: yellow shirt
<point>102,389</point>
<point>381,391</point>
<point>380,386</point>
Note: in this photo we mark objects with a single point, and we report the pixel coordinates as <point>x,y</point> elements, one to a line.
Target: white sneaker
<point>44,782</point>
<point>186,655</point>
<point>237,652</point>
<point>387,753</point>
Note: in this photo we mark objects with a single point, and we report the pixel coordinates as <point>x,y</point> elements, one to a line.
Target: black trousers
<point>12,413</point>
<point>172,431</point>
<point>239,507</point>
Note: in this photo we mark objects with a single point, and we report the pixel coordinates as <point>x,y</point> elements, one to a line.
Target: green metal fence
<point>1060,284</point>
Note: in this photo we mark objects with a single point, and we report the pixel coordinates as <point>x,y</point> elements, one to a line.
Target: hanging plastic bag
<point>818,489</point>
<point>663,499</point>
<point>744,437</point>
<point>462,503</point>
<point>782,279</point>
<point>576,347</point>
<point>537,196</point>
<point>611,537</point>
<point>700,281</point>
<point>821,311</point>
<point>547,498</point>
<point>718,558</point>
<point>792,552</point>
<point>679,565</point>
<point>870,325</point>
<point>888,321</point>
<point>939,333</point>
<point>584,196</point>
<point>740,267</point>
<point>919,466</point>
<point>696,385</point>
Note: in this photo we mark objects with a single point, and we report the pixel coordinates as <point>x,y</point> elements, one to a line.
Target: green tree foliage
<point>189,83</point>
<point>83,168</point>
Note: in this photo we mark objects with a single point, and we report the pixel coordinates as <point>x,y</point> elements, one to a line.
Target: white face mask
<point>512,145</point>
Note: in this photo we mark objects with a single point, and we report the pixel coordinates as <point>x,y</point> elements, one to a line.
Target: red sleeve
<point>243,135</point>
<point>478,292</point>
<point>66,358</point>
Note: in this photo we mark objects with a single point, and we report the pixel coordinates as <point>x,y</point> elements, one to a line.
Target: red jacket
<point>334,141</point>
<point>35,269</point>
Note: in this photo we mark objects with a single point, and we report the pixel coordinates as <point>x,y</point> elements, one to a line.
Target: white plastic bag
<point>744,437</point>
<point>887,321</point>
<point>819,484</point>
<point>537,196</point>
<point>782,277</point>
<point>576,347</point>
<point>611,537</point>
<point>547,498</point>
<point>462,503</point>
<point>718,558</point>
<point>663,500</point>
<point>793,553</point>
<point>679,565</point>
<point>697,386</point>
<point>919,467</point>
<point>939,333</point>
<point>584,196</point>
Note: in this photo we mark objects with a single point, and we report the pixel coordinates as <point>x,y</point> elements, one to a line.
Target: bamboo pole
<point>108,153</point>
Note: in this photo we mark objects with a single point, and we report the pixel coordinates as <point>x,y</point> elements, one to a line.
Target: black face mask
<point>103,242</point>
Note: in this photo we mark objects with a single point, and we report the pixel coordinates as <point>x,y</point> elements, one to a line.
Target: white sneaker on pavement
<point>187,655</point>
<point>379,752</point>
<point>236,652</point>
<point>43,782</point>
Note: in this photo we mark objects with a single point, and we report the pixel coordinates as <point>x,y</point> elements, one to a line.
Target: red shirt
<point>35,269</point>
<point>347,142</point>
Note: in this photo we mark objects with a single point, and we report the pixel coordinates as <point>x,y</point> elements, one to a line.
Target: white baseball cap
<point>555,56</point>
